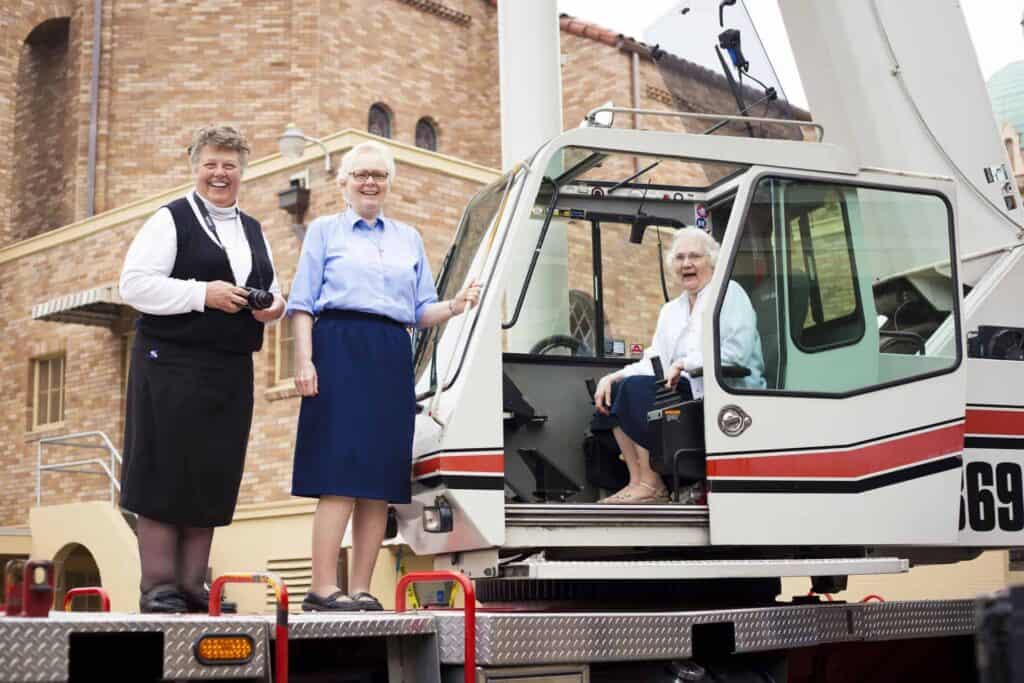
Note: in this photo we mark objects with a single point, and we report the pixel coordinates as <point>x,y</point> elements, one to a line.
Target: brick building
<point>92,142</point>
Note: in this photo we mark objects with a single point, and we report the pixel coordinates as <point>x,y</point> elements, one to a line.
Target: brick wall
<point>42,188</point>
<point>94,380</point>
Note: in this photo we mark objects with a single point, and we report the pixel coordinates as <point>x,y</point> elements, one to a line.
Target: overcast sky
<point>994,25</point>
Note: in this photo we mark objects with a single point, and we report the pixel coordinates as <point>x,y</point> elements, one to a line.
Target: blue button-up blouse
<point>348,264</point>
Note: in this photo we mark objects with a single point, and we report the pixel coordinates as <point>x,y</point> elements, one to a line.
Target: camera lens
<point>260,299</point>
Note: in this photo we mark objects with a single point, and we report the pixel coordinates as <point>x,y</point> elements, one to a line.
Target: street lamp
<point>293,142</point>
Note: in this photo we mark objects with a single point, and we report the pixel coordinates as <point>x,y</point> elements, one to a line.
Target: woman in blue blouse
<point>363,279</point>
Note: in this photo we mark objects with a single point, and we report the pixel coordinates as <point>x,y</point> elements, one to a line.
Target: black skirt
<point>189,411</point>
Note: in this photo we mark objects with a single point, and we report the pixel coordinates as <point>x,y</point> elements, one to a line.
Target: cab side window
<point>853,287</point>
<point>822,273</point>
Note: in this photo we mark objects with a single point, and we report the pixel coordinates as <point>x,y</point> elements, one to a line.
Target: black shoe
<point>162,599</point>
<point>366,603</point>
<point>335,602</point>
<point>199,603</point>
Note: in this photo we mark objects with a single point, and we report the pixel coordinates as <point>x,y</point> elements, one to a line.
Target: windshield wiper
<point>632,177</point>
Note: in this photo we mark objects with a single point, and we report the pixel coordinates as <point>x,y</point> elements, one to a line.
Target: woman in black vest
<point>190,387</point>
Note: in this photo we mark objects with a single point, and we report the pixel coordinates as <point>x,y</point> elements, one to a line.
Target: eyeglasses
<point>363,176</point>
<point>692,256</point>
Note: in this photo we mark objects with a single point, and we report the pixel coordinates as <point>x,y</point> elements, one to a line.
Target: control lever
<point>659,371</point>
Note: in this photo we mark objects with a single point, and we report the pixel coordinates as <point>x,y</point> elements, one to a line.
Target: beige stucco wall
<point>15,541</point>
<point>99,527</point>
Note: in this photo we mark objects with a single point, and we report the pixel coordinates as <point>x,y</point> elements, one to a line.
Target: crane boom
<point>898,84</point>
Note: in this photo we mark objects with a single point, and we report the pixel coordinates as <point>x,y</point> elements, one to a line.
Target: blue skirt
<point>355,436</point>
<point>632,399</point>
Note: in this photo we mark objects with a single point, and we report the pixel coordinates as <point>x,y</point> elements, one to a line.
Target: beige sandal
<point>652,496</point>
<point>620,496</point>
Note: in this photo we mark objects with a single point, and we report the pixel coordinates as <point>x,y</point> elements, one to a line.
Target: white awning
<point>100,306</point>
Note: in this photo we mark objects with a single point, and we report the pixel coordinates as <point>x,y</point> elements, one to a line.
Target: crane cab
<point>853,435</point>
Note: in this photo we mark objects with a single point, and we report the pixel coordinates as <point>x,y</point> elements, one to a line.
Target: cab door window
<point>853,287</point>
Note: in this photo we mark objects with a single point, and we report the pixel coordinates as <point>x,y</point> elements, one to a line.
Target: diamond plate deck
<point>363,625</point>
<point>918,619</point>
<point>37,649</point>
<point>505,639</point>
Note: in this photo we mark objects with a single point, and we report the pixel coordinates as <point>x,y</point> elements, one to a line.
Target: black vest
<point>199,258</point>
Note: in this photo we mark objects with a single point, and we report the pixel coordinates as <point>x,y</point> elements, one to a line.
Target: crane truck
<point>881,253</point>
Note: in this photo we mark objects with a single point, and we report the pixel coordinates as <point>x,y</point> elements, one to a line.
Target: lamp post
<point>293,141</point>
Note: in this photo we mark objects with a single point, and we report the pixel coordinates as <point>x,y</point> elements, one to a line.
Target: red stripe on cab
<point>853,463</point>
<point>990,422</point>
<point>464,463</point>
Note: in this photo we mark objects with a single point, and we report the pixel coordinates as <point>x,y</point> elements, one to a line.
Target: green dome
<point>1006,90</point>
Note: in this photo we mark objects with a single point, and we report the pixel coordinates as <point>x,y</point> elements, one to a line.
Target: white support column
<point>530,76</point>
<point>531,114</point>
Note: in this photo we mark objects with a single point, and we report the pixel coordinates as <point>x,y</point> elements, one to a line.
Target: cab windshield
<point>592,281</point>
<point>476,220</point>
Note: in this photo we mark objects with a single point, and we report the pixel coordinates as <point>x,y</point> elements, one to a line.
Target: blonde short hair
<point>221,137</point>
<point>711,246</point>
<point>348,160</point>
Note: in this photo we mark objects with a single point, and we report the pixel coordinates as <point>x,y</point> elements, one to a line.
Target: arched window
<point>379,120</point>
<point>426,134</point>
<point>45,133</point>
<point>582,324</point>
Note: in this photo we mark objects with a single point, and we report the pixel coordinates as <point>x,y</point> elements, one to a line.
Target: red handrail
<point>87,590</point>
<point>873,596</point>
<point>281,627</point>
<point>469,609</point>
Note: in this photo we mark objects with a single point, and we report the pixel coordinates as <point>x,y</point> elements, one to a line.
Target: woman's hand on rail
<point>467,298</point>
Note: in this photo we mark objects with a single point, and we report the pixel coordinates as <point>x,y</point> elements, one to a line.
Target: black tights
<point>173,555</point>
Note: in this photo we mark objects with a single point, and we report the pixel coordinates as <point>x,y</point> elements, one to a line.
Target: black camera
<point>258,299</point>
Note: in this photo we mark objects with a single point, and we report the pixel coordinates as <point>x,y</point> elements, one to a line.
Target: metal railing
<point>732,118</point>
<point>99,466</point>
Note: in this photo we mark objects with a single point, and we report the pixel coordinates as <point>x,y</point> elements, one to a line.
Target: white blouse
<point>679,331</point>
<point>146,283</point>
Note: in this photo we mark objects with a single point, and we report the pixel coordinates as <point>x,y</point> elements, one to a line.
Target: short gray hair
<point>221,137</point>
<point>711,246</point>
<point>348,160</point>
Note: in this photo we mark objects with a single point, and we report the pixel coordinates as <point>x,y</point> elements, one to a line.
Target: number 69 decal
<point>992,497</point>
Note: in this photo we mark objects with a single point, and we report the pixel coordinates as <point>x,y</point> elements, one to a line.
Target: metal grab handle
<point>280,628</point>
<point>87,590</point>
<point>468,610</point>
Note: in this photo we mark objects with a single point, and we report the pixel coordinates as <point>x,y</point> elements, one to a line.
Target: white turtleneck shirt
<point>146,283</point>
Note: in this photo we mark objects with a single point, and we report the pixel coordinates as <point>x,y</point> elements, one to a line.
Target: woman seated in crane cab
<point>623,398</point>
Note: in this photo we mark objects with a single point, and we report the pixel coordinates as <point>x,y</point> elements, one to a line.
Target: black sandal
<point>366,603</point>
<point>162,599</point>
<point>315,603</point>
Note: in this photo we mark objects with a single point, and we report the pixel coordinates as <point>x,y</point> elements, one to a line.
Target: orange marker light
<point>226,649</point>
